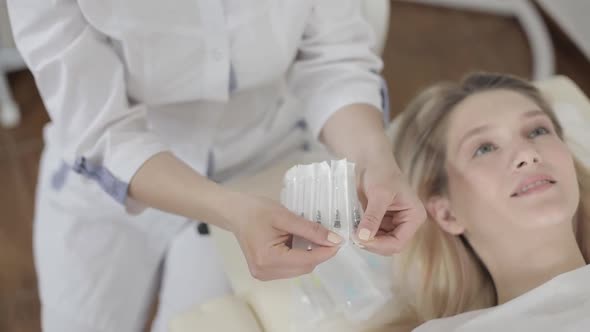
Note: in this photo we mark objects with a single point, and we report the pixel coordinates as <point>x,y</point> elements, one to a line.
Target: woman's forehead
<point>491,108</point>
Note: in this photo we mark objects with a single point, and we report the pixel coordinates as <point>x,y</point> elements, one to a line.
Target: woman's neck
<point>520,263</point>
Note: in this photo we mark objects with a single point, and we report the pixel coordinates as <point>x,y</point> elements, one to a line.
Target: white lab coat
<point>222,84</point>
<point>123,80</point>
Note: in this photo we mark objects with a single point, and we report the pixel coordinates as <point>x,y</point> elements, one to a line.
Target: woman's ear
<point>439,208</point>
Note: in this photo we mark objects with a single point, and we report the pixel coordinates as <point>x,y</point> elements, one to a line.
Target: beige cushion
<point>573,110</point>
<point>225,314</point>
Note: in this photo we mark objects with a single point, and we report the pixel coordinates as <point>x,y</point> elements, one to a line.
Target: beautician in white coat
<point>149,101</point>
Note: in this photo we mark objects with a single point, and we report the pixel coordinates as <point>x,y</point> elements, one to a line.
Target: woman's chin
<point>547,215</point>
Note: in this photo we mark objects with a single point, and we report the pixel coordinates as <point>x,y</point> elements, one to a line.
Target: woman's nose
<point>526,156</point>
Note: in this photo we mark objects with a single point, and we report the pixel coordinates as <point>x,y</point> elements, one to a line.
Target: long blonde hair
<point>438,274</point>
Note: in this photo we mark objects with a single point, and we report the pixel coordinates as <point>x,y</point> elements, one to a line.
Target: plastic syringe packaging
<point>351,284</point>
<point>326,194</point>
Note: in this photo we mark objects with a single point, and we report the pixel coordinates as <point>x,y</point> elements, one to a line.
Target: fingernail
<point>364,234</point>
<point>334,238</point>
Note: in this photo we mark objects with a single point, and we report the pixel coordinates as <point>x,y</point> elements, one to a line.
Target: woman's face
<point>507,168</point>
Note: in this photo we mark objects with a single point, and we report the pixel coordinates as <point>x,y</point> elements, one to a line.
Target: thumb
<point>378,201</point>
<point>310,231</point>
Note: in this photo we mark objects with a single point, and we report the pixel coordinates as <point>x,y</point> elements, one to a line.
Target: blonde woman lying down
<point>507,240</point>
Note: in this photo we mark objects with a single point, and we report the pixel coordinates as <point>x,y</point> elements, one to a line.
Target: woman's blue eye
<point>483,149</point>
<point>538,131</point>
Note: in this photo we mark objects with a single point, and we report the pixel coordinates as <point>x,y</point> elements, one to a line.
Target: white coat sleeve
<point>81,80</point>
<point>335,66</point>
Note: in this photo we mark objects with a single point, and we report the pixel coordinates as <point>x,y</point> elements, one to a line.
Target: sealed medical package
<point>353,284</point>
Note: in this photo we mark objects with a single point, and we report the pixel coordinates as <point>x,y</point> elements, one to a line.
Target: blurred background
<point>427,43</point>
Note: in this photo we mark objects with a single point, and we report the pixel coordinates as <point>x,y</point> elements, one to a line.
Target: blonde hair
<point>444,275</point>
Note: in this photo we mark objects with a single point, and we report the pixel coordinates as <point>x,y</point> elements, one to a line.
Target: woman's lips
<point>533,184</point>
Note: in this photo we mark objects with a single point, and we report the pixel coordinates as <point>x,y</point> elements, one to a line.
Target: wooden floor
<point>425,45</point>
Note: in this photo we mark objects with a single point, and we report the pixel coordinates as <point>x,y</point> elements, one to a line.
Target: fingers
<point>289,263</point>
<point>308,230</point>
<point>393,242</point>
<point>270,258</point>
<point>308,258</point>
<point>377,205</point>
<point>385,245</point>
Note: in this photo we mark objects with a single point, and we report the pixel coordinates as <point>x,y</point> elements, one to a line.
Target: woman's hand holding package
<point>264,229</point>
<point>393,211</point>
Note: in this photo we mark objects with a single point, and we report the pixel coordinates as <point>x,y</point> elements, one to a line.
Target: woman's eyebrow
<point>470,133</point>
<point>533,113</point>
